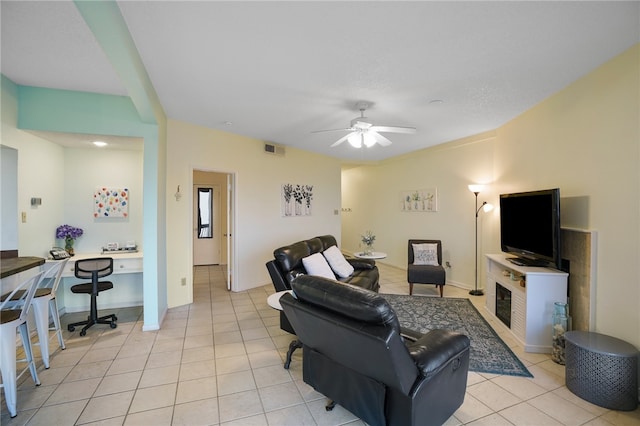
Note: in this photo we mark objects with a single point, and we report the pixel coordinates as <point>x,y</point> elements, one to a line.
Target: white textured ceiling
<point>280,70</point>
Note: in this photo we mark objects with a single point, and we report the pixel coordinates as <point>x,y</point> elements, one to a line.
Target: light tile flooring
<point>219,361</point>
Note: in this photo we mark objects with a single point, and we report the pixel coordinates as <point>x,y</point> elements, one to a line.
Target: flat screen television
<point>530,227</point>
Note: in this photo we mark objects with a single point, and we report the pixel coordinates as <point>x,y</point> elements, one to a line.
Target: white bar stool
<point>14,309</point>
<point>44,304</point>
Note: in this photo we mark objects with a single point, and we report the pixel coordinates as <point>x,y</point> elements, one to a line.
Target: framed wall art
<point>111,202</point>
<point>420,200</point>
<point>296,200</point>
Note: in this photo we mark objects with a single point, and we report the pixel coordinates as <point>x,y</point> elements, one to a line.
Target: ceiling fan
<point>364,132</point>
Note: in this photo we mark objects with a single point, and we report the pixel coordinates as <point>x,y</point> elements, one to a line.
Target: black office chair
<point>94,269</point>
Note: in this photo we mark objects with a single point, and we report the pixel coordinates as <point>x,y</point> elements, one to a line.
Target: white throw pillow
<point>425,254</point>
<point>316,264</point>
<point>337,262</point>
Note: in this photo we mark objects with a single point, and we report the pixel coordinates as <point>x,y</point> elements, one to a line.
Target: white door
<point>228,230</point>
<point>206,220</point>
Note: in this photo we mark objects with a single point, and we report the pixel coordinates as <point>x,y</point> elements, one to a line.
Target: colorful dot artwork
<point>110,202</point>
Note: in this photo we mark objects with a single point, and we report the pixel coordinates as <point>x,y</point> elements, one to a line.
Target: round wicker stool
<point>602,370</point>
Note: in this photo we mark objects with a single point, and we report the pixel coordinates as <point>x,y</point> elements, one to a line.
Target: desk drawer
<point>120,266</point>
<point>127,266</point>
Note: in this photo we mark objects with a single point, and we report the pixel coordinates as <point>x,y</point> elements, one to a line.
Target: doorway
<point>212,239</point>
<point>207,232</point>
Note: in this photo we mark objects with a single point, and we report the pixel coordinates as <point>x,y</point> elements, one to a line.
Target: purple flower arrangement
<point>68,231</point>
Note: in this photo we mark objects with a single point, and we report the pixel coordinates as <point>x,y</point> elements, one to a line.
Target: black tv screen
<point>530,227</point>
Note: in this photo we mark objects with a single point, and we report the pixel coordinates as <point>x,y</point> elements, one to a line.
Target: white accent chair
<point>14,309</point>
<point>44,305</point>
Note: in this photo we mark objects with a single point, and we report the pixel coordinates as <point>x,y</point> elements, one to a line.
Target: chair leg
<point>41,315</point>
<point>26,344</point>
<point>295,344</point>
<point>53,311</point>
<point>410,289</point>
<point>94,319</point>
<point>441,289</point>
<point>8,368</point>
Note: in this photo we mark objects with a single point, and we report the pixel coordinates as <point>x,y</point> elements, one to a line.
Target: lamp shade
<point>476,188</point>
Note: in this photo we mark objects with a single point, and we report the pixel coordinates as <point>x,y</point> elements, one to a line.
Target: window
<point>205,213</point>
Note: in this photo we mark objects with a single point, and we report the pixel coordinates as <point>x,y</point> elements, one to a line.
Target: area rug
<point>489,354</point>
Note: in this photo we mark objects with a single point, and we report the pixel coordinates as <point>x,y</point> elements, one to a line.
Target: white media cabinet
<point>534,291</point>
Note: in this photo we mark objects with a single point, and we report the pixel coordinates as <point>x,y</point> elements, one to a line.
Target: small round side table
<point>602,369</point>
<point>374,255</point>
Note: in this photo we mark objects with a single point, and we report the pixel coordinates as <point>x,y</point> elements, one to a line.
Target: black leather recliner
<point>287,265</point>
<point>357,355</point>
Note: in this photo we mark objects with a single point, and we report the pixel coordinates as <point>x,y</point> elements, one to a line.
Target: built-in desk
<point>126,279</point>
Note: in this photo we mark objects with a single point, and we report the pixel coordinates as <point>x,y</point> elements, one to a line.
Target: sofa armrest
<point>362,263</point>
<point>435,349</point>
<point>277,277</point>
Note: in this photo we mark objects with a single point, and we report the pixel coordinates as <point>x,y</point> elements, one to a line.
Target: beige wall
<point>584,140</point>
<point>259,225</point>
<point>373,194</point>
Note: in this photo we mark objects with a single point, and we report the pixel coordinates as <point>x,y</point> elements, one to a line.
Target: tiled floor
<point>219,361</point>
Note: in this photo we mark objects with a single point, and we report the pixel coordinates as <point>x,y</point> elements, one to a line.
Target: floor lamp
<point>476,189</point>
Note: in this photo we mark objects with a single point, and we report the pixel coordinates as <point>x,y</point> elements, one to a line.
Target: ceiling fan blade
<point>393,129</point>
<point>380,139</point>
<point>342,139</point>
<point>350,129</point>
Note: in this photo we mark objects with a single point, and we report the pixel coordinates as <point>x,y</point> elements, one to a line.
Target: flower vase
<point>561,324</point>
<point>68,246</point>
<point>368,250</point>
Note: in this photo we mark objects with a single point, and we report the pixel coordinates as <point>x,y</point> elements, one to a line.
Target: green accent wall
<point>67,111</point>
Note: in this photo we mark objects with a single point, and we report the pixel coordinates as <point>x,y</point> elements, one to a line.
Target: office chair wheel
<point>83,332</point>
<point>71,328</point>
<point>113,324</point>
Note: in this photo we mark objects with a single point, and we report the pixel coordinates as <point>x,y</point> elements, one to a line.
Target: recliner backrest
<point>289,259</point>
<point>353,326</point>
<point>327,241</point>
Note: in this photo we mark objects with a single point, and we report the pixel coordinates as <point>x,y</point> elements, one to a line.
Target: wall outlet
<point>24,217</point>
<point>183,281</point>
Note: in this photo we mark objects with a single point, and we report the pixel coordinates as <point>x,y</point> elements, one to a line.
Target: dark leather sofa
<point>287,264</point>
<point>356,354</point>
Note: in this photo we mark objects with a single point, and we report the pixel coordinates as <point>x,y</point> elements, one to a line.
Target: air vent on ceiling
<point>270,148</point>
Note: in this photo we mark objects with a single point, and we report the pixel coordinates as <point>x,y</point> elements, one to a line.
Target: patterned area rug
<point>489,354</point>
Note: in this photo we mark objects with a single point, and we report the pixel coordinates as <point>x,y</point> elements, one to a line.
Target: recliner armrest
<point>362,263</point>
<point>410,335</point>
<point>435,349</point>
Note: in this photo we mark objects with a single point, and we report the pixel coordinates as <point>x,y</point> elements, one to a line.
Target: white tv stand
<point>534,291</point>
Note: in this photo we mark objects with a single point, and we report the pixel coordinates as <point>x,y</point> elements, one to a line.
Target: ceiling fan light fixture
<point>368,139</point>
<point>363,132</point>
<point>355,139</point>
